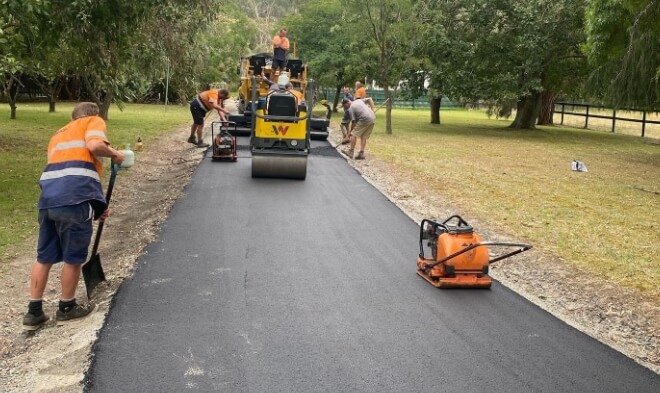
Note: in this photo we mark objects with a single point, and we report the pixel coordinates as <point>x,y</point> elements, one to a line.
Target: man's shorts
<point>363,130</point>
<point>278,63</point>
<point>198,113</point>
<point>65,233</point>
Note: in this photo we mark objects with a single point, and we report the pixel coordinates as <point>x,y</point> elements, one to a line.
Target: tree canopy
<point>517,55</point>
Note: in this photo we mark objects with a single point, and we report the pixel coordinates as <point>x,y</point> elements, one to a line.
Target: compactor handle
<point>429,233</point>
<point>522,247</point>
<point>461,221</point>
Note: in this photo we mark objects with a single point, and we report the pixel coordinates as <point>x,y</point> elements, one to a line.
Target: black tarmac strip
<point>273,285</point>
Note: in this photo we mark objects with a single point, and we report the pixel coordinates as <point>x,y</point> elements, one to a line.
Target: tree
<point>504,50</point>
<point>111,40</point>
<point>623,45</point>
<point>390,39</point>
<point>322,38</point>
<point>17,27</point>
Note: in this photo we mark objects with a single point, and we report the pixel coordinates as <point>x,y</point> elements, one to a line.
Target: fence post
<point>586,118</point>
<point>643,123</point>
<point>562,113</point>
<point>613,119</point>
<point>413,103</point>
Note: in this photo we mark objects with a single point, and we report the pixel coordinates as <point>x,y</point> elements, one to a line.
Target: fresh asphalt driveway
<point>272,285</point>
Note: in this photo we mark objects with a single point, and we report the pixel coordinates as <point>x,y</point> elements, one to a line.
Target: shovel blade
<point>93,274</point>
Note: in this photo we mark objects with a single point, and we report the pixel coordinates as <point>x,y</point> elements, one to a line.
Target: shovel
<point>92,271</point>
<point>381,105</point>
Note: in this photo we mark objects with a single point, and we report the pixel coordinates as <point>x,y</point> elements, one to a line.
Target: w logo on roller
<point>280,130</point>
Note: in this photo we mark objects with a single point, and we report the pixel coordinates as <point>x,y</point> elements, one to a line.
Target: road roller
<point>460,257</point>
<point>280,137</point>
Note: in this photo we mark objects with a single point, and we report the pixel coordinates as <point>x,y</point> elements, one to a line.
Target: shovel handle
<point>108,195</point>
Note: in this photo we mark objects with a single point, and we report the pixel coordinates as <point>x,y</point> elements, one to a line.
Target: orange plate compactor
<point>460,257</point>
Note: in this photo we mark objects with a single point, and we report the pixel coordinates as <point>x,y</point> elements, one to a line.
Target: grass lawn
<point>606,221</point>
<point>23,144</point>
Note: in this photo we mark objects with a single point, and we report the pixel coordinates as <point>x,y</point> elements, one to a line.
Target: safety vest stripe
<point>54,166</point>
<point>76,144</point>
<point>201,104</point>
<point>56,174</point>
<point>92,133</point>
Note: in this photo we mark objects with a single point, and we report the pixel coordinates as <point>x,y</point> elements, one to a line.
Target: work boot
<point>34,322</point>
<point>349,153</point>
<point>201,144</point>
<point>74,312</point>
<point>192,140</point>
<point>360,156</point>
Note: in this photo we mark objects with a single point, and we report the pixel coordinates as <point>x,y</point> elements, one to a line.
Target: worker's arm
<point>219,108</point>
<point>101,148</point>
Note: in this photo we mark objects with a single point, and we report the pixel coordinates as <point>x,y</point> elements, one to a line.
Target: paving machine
<point>224,142</point>
<point>460,257</point>
<point>257,73</point>
<point>280,137</point>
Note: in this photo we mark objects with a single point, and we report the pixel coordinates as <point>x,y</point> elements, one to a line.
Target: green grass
<point>606,221</point>
<point>23,144</point>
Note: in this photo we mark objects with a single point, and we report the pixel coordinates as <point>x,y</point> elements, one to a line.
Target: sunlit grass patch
<point>23,144</point>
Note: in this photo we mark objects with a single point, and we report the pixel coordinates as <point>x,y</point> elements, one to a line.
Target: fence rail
<point>379,97</point>
<point>560,109</point>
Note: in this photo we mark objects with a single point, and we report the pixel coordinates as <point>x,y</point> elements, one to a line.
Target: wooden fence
<point>601,118</point>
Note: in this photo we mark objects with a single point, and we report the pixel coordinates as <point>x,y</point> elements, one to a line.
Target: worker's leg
<point>364,132</point>
<point>39,279</point>
<point>200,128</point>
<point>70,278</point>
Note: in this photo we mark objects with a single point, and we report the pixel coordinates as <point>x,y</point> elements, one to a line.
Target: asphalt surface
<point>272,285</point>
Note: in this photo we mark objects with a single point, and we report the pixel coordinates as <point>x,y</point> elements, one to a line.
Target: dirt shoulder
<point>55,358</point>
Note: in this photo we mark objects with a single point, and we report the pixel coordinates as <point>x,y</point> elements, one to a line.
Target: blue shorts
<point>198,112</point>
<point>65,233</point>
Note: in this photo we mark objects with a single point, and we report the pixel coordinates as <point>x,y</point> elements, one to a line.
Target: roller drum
<point>279,166</point>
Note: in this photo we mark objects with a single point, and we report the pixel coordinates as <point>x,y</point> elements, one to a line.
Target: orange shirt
<point>73,173</point>
<point>281,42</point>
<point>70,142</point>
<point>299,95</point>
<point>208,98</point>
<point>361,92</point>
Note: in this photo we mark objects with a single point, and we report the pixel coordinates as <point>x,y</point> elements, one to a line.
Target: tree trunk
<point>105,106</point>
<point>13,93</point>
<point>388,110</point>
<point>338,91</point>
<point>527,111</point>
<point>435,109</point>
<point>547,113</point>
<point>54,92</point>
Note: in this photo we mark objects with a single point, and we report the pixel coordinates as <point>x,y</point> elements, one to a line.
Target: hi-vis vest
<point>73,175</point>
<point>206,98</point>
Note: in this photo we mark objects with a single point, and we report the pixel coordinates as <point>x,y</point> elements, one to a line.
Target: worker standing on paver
<point>280,49</point>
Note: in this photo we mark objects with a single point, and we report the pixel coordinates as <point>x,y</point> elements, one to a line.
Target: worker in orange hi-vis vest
<point>361,93</point>
<point>71,198</point>
<point>200,106</point>
<point>300,97</point>
<point>280,49</point>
